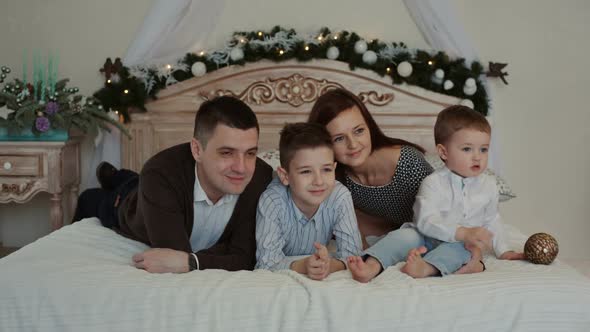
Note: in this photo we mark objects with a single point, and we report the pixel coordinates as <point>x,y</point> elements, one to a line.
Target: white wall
<point>541,114</point>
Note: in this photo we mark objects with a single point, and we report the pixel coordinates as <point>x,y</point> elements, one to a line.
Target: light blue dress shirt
<point>284,234</point>
<point>209,219</point>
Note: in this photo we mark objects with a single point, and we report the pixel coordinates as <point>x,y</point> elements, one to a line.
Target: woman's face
<point>351,137</point>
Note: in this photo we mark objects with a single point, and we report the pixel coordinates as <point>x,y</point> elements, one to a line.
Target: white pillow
<point>271,157</point>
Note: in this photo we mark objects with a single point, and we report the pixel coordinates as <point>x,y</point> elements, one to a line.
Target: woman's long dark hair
<point>332,103</point>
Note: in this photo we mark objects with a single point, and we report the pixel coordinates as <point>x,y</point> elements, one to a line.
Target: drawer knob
<point>7,165</point>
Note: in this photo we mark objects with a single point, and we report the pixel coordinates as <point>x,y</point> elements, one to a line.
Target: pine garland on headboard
<point>126,87</point>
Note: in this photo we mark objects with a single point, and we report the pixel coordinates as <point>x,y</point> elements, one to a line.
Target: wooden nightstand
<point>27,168</point>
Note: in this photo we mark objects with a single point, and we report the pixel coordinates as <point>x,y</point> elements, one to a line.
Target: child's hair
<point>301,135</point>
<point>457,117</point>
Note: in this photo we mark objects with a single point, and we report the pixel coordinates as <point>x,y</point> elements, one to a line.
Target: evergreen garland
<point>133,86</point>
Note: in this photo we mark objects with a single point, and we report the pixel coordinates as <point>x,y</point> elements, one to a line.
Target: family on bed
<point>212,204</point>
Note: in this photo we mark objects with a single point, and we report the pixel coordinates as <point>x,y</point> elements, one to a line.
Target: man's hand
<point>161,260</point>
<point>512,255</point>
<point>475,236</point>
<point>318,264</point>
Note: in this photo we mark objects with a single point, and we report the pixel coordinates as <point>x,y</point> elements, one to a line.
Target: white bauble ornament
<point>437,76</point>
<point>360,46</point>
<point>404,69</point>
<point>332,53</point>
<point>198,69</point>
<point>469,91</point>
<point>470,82</point>
<point>469,87</point>
<point>467,102</point>
<point>439,73</point>
<point>236,54</point>
<point>369,57</point>
<point>448,85</point>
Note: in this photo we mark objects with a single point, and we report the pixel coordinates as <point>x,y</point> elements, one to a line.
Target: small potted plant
<point>47,109</point>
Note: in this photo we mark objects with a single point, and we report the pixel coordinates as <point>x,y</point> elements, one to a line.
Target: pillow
<point>504,189</point>
<point>271,157</point>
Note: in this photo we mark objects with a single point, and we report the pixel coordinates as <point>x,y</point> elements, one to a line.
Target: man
<point>195,203</point>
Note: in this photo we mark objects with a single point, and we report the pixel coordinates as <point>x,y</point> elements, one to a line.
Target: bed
<point>80,277</point>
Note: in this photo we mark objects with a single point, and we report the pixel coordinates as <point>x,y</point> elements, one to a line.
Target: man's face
<point>226,164</point>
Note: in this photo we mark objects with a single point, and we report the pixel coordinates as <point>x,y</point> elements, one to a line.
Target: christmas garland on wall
<point>127,87</point>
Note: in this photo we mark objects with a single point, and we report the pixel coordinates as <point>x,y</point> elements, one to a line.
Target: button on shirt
<point>447,201</point>
<point>284,234</point>
<point>209,218</point>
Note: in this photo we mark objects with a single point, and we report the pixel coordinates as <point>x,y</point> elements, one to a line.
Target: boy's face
<point>466,152</point>
<point>311,177</point>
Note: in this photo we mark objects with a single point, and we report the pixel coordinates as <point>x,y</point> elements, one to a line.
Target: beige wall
<point>541,114</point>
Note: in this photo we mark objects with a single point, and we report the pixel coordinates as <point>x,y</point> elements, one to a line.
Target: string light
<point>109,81</point>
<point>281,52</point>
<point>388,69</point>
<point>259,33</point>
<point>202,53</point>
<point>430,63</point>
<point>242,40</point>
<point>168,66</point>
<point>306,48</point>
<point>336,37</point>
<point>320,37</point>
<point>126,91</point>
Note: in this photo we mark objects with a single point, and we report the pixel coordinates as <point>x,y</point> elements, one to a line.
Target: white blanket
<point>80,278</point>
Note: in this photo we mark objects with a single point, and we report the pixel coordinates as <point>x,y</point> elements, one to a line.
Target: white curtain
<point>170,30</point>
<point>442,30</point>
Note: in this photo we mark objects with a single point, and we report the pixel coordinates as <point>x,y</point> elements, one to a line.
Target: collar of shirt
<point>299,216</point>
<point>459,180</point>
<point>201,196</point>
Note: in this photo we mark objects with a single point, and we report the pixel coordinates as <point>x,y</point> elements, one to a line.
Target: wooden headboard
<point>279,93</point>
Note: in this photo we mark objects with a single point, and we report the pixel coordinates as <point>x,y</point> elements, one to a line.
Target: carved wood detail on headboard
<point>294,90</point>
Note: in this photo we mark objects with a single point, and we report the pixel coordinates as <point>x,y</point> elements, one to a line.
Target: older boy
<point>301,210</point>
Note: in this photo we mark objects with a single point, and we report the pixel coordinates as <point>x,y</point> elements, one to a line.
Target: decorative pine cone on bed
<point>541,248</point>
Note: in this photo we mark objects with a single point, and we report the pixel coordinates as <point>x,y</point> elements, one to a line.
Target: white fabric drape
<point>170,29</point>
<point>442,30</point>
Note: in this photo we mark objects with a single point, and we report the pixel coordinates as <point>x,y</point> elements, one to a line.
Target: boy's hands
<point>512,255</point>
<point>475,236</point>
<point>318,264</point>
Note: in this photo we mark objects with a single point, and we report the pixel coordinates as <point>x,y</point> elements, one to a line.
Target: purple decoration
<point>42,124</point>
<point>51,108</point>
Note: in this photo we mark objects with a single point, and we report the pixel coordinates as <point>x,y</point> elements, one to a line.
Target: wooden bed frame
<point>279,93</point>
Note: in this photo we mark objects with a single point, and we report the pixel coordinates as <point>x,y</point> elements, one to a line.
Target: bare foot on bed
<point>416,266</point>
<point>363,271</point>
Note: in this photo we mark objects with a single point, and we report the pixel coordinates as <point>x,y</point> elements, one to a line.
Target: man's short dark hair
<point>226,110</point>
<point>301,135</point>
<point>457,117</point>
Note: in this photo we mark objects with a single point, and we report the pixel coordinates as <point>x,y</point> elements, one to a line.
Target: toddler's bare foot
<point>416,266</point>
<point>363,271</point>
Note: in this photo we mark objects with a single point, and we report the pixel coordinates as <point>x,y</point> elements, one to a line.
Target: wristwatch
<point>192,262</point>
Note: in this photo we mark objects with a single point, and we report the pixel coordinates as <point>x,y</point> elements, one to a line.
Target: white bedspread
<point>80,279</point>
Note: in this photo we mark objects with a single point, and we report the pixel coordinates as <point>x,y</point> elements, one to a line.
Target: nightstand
<point>27,168</point>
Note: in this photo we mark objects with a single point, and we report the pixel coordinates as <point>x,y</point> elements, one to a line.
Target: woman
<point>382,173</point>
